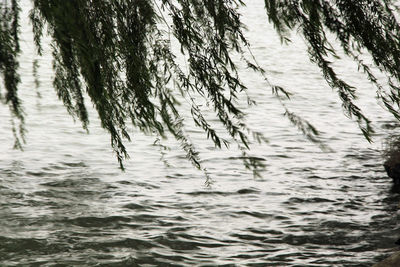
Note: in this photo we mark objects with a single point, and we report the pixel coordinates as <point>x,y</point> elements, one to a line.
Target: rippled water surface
<point>64,201</point>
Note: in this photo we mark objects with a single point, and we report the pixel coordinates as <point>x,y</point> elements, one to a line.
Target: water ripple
<point>64,202</point>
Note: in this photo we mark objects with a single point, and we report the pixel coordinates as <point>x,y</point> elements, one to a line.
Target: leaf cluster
<point>9,49</point>
<point>359,26</point>
<point>119,54</point>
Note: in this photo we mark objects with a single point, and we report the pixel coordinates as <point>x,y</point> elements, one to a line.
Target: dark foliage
<point>119,54</point>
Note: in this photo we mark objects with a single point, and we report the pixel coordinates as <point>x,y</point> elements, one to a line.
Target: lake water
<point>64,202</point>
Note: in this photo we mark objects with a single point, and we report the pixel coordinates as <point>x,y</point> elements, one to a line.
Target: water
<point>64,202</point>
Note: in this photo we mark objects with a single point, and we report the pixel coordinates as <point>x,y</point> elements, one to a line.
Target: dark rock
<point>393,171</point>
<point>392,261</point>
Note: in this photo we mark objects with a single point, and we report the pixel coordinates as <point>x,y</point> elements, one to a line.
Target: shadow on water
<point>386,226</point>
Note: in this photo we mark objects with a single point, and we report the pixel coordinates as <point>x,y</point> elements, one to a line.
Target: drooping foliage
<point>9,49</point>
<point>365,26</point>
<point>121,54</point>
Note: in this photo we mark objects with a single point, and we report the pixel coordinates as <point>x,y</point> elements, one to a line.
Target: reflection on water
<point>64,201</point>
